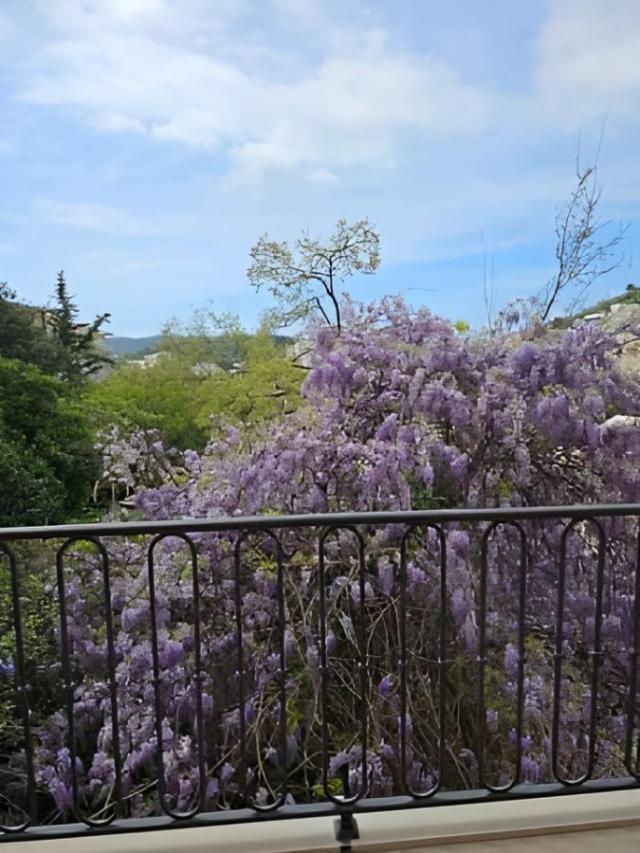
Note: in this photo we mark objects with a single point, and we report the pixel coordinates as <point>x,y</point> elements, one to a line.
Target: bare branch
<point>582,252</point>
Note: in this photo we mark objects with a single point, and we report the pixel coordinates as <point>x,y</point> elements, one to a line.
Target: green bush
<point>47,460</point>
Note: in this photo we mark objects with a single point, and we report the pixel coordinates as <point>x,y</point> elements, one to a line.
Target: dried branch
<point>581,254</point>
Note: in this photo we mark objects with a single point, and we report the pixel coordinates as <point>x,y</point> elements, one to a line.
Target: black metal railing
<point>608,542</point>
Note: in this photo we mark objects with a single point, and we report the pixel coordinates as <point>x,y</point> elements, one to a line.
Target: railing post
<point>346,828</point>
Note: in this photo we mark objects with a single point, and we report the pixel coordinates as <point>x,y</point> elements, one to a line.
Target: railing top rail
<point>330,519</point>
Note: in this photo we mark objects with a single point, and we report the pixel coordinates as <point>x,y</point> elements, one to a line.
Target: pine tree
<point>84,356</point>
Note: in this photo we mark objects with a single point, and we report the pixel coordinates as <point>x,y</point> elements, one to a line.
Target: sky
<point>146,144</point>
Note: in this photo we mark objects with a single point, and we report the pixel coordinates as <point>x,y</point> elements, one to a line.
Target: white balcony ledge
<point>579,823</point>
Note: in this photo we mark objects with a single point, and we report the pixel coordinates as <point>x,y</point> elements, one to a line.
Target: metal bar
<point>156,679</point>
<point>113,686</point>
<point>281,675</point>
<point>596,654</point>
<point>522,615</point>
<point>197,656</point>
<point>403,660</point>
<point>66,671</point>
<point>632,768</point>
<point>111,674</point>
<point>482,659</point>
<point>159,711</point>
<point>320,520</point>
<point>22,692</point>
<point>363,667</point>
<point>557,659</point>
<point>240,662</point>
<point>348,799</point>
<point>442,657</point>
<point>442,662</point>
<point>322,605</point>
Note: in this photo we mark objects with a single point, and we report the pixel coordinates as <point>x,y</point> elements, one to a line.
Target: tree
<point>199,378</point>
<point>582,256</point>
<point>206,338</point>
<point>305,278</point>
<point>84,356</point>
<point>47,460</point>
<point>30,493</point>
<point>23,337</point>
<point>265,386</point>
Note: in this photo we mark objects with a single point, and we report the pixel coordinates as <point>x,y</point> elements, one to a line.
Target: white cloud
<point>161,18</point>
<point>323,176</point>
<point>117,263</point>
<point>311,110</point>
<point>589,59</point>
<point>6,29</point>
<point>126,71</point>
<point>91,217</point>
<point>310,14</point>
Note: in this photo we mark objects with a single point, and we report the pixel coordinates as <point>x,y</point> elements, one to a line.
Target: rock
<point>619,421</point>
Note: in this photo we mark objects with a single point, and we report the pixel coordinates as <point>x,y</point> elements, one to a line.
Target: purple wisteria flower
<point>385,686</point>
<point>7,669</point>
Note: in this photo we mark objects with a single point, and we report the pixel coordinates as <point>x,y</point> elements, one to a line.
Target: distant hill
<point>604,311</point>
<point>132,346</point>
<point>226,356</point>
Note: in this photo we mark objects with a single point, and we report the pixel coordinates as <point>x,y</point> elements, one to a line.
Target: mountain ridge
<point>124,345</point>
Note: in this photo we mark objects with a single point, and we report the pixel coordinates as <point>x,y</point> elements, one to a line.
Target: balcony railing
<point>252,669</point>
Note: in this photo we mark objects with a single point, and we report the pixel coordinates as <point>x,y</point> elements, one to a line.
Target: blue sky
<point>145,144</point>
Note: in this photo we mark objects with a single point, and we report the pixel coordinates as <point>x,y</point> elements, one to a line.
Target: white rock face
<point>618,421</point>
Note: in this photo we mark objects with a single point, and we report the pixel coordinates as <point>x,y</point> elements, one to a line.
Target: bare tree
<point>488,289</point>
<point>582,255</point>
<point>305,278</point>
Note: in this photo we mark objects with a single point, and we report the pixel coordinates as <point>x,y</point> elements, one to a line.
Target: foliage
<point>47,463</point>
<point>305,279</point>
<point>30,492</point>
<point>185,387</point>
<point>161,397</point>
<point>207,339</point>
<point>47,460</point>
<point>265,385</point>
<point>51,339</point>
<point>400,411</point>
<point>23,335</point>
<point>38,612</point>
